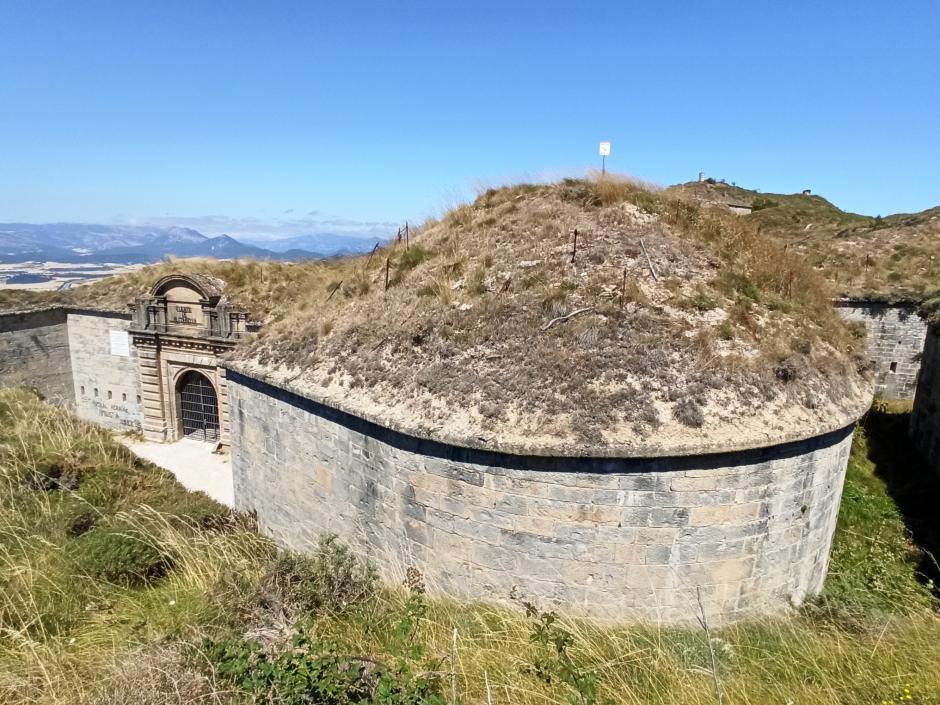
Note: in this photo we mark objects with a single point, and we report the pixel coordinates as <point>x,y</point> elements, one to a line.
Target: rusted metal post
<point>623,287</point>
<point>574,249</point>
<point>370,255</point>
<point>386,274</point>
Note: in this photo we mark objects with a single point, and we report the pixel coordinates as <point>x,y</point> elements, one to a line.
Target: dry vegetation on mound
<point>896,256</point>
<point>496,321</point>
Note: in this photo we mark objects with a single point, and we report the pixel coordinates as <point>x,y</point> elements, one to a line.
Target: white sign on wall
<point>120,343</point>
<point>605,149</point>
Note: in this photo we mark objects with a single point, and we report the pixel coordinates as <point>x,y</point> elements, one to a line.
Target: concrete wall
<point>34,352</point>
<point>106,380</point>
<point>895,336</point>
<point>925,417</point>
<point>620,539</point>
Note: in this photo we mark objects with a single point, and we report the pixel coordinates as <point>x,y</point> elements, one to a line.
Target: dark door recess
<point>199,408</point>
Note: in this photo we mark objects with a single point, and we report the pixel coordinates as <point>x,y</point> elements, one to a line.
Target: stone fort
<point>662,537</point>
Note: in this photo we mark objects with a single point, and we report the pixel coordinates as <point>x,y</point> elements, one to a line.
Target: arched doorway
<point>198,407</point>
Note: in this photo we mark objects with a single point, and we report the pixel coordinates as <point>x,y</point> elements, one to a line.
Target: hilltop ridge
<point>871,257</point>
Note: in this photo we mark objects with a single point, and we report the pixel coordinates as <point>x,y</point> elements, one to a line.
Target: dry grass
<point>67,637</point>
<point>861,256</point>
<point>876,633</point>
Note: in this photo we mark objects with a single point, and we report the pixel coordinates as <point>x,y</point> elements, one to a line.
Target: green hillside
<point>868,256</point>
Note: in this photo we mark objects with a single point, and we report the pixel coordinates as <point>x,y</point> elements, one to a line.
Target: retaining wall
<point>105,369</point>
<point>895,341</point>
<point>750,532</point>
<point>925,416</point>
<point>34,352</point>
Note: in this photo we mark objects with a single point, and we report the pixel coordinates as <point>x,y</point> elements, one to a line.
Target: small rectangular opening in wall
<point>109,394</point>
<point>123,396</point>
<point>894,367</point>
<point>138,399</point>
<point>96,392</point>
<point>83,390</point>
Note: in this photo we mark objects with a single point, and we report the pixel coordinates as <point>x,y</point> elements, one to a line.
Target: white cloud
<point>261,230</point>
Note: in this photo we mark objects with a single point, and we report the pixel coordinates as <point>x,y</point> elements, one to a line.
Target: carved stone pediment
<point>189,305</point>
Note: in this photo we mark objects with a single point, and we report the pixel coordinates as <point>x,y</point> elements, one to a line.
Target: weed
<point>332,580</point>
<point>412,257</point>
<point>122,555</point>
<point>313,669</point>
<point>688,412</point>
<point>761,202</point>
<point>553,660</point>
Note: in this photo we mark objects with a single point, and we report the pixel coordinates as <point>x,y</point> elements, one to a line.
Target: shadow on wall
<point>914,488</point>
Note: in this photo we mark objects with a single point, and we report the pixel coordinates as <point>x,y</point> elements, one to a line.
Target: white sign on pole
<point>120,344</point>
<point>605,149</point>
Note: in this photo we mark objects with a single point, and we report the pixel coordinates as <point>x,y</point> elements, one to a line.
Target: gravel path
<point>192,463</point>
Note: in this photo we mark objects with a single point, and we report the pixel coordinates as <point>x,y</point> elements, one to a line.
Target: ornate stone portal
<point>180,330</point>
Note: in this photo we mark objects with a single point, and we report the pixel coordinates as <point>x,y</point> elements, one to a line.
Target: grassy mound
<point>230,620</point>
<point>661,323</point>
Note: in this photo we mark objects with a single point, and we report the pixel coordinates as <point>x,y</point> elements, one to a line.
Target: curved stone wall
<point>746,532</point>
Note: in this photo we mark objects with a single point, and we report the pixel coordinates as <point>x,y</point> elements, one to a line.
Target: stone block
<point>724,514</point>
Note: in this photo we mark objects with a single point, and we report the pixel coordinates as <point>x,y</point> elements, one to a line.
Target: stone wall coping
<point>877,300</point>
<point>612,451</point>
<point>79,310</point>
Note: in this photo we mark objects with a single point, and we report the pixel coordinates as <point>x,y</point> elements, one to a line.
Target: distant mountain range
<point>328,244</point>
<point>136,244</point>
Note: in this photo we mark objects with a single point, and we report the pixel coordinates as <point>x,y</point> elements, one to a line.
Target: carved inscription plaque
<point>182,316</point>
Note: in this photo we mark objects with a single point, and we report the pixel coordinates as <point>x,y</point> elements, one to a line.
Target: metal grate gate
<point>199,408</point>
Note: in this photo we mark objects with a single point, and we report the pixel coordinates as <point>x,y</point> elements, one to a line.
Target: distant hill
<point>896,256</point>
<point>328,244</point>
<point>126,244</point>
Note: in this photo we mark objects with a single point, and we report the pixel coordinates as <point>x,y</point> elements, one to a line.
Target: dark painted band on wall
<point>25,320</point>
<point>878,300</point>
<point>21,320</point>
<point>100,313</point>
<point>436,449</point>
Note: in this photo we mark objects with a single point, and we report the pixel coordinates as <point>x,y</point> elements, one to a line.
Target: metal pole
<point>603,165</point>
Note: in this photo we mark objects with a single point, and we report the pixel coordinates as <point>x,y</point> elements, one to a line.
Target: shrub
<point>317,670</point>
<point>688,412</point>
<point>553,662</point>
<point>195,508</point>
<point>77,517</point>
<point>412,257</point>
<point>733,283</point>
<point>700,301</point>
<point>761,202</point>
<point>52,472</point>
<point>120,555</point>
<point>331,580</point>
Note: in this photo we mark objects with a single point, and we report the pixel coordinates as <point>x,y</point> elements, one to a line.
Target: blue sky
<point>280,117</point>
